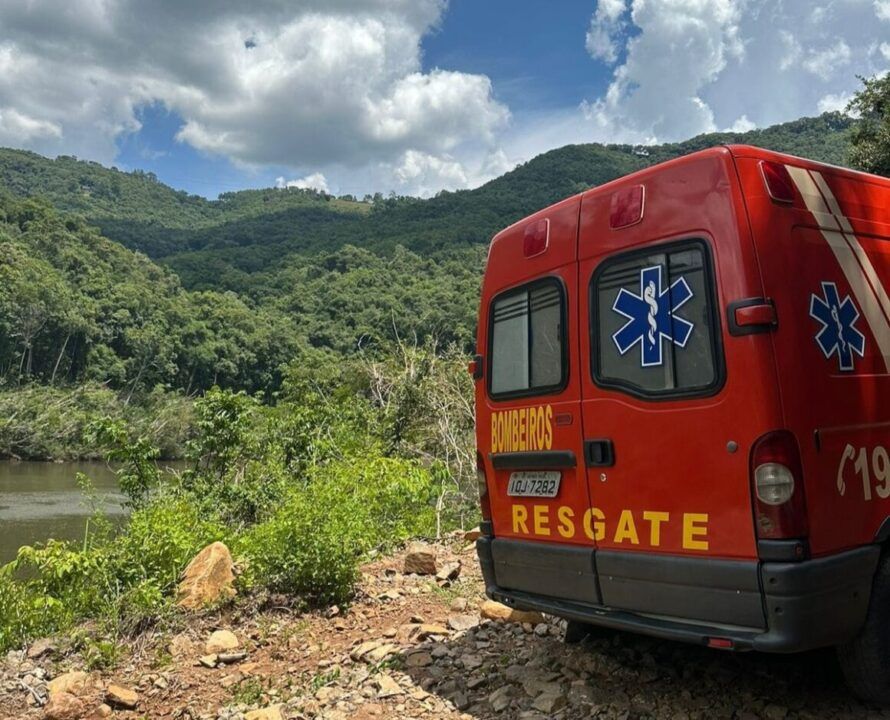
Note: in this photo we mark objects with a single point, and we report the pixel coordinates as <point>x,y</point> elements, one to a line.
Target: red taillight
<point>780,506</point>
<point>720,643</point>
<point>778,181</point>
<point>536,239</point>
<point>626,207</point>
<point>484,501</point>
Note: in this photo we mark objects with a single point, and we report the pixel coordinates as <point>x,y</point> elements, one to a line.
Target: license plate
<point>534,483</point>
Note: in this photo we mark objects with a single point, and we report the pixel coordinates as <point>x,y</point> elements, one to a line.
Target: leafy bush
<point>311,547</point>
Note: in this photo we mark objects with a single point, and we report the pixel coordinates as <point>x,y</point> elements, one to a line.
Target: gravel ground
<point>414,647</point>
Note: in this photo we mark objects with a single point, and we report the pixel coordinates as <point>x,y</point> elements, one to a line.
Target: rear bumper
<point>767,606</point>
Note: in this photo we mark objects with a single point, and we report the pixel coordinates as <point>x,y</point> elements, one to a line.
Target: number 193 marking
<point>872,468</point>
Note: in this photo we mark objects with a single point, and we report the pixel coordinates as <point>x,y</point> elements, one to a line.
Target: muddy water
<point>42,500</point>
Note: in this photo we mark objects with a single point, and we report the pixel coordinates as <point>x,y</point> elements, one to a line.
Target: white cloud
<point>606,26</point>
<point>304,85</point>
<point>834,102</point>
<point>315,181</point>
<point>826,62</point>
<point>742,124</point>
<point>682,67</point>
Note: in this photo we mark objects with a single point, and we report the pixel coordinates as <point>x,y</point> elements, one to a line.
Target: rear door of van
<point>672,402</point>
<point>529,431</point>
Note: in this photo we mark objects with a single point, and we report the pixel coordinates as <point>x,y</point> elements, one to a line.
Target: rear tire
<point>577,631</point>
<point>865,660</point>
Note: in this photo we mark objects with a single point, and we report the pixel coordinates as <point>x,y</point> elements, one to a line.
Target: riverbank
<point>39,422</point>
<point>414,646</point>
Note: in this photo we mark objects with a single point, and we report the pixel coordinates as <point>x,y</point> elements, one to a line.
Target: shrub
<point>312,546</point>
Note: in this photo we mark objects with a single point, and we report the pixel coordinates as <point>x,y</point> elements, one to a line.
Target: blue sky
<point>410,96</point>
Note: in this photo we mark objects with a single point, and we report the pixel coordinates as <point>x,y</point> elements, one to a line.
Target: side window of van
<point>527,340</point>
<point>653,327</point>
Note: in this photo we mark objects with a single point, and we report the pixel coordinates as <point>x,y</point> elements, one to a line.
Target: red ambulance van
<point>683,408</point>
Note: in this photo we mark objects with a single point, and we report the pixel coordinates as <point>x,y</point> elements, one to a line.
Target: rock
<point>460,701</point>
<point>231,657</point>
<point>208,579</point>
<point>427,629</point>
<point>496,611</point>
<point>273,712</point>
<point>64,706</point>
<point>221,641</point>
<point>360,651</point>
<point>459,604</point>
<point>418,659</point>
<point>388,687</point>
<point>460,623</point>
<point>119,696</point>
<point>103,711</point>
<point>420,560</point>
<point>775,712</point>
<point>500,698</point>
<point>448,572</point>
<point>380,653</point>
<point>75,683</point>
<point>549,703</point>
<point>209,661</point>
<point>541,629</point>
<point>42,647</point>
<point>473,535</point>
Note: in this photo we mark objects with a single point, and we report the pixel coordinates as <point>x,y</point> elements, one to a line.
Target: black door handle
<point>599,452</point>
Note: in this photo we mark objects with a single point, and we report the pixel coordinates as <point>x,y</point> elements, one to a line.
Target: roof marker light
<point>778,181</point>
<point>537,238</point>
<point>626,207</point>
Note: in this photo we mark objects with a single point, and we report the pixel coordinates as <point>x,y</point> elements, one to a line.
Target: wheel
<point>576,631</point>
<point>865,660</point>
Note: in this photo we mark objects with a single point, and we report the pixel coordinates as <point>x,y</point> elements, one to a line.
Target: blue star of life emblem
<point>838,334</point>
<point>651,316</point>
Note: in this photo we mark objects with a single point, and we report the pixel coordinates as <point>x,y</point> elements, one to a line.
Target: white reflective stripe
<point>850,236</point>
<point>846,257</point>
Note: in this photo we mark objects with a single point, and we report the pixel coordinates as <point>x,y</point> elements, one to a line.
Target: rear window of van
<point>654,329</point>
<point>527,340</point>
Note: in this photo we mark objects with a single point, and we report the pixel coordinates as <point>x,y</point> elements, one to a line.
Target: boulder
<point>420,560</point>
<point>496,611</point>
<point>448,572</point>
<point>461,623</point>
<point>473,535</point>
<point>119,696</point>
<point>76,683</point>
<point>221,641</point>
<point>208,579</point>
<point>42,647</point>
<point>64,706</point>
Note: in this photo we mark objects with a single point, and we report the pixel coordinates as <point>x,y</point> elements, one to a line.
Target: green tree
<point>870,149</point>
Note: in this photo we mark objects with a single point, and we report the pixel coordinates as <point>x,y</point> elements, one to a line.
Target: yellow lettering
<point>595,530</point>
<point>494,432</point>
<point>532,429</point>
<point>695,527</point>
<point>655,519</point>
<point>626,529</point>
<point>522,416</point>
<point>541,520</point>
<point>514,430</point>
<point>566,527</point>
<point>541,431</point>
<point>520,519</point>
<point>548,434</point>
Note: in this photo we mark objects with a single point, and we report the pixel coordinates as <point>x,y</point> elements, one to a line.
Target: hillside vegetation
<point>114,279</point>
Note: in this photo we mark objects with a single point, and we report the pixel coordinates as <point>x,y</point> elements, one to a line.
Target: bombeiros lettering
<point>524,429</point>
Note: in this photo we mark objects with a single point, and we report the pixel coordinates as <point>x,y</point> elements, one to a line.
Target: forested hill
<point>142,213</point>
<point>265,275</point>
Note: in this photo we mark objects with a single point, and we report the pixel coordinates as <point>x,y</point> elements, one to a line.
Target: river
<point>42,500</point>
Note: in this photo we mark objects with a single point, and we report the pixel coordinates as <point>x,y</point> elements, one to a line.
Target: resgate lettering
<point>631,527</point>
<point>522,429</point>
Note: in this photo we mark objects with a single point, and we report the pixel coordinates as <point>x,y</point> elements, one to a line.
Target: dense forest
<point>235,286</point>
